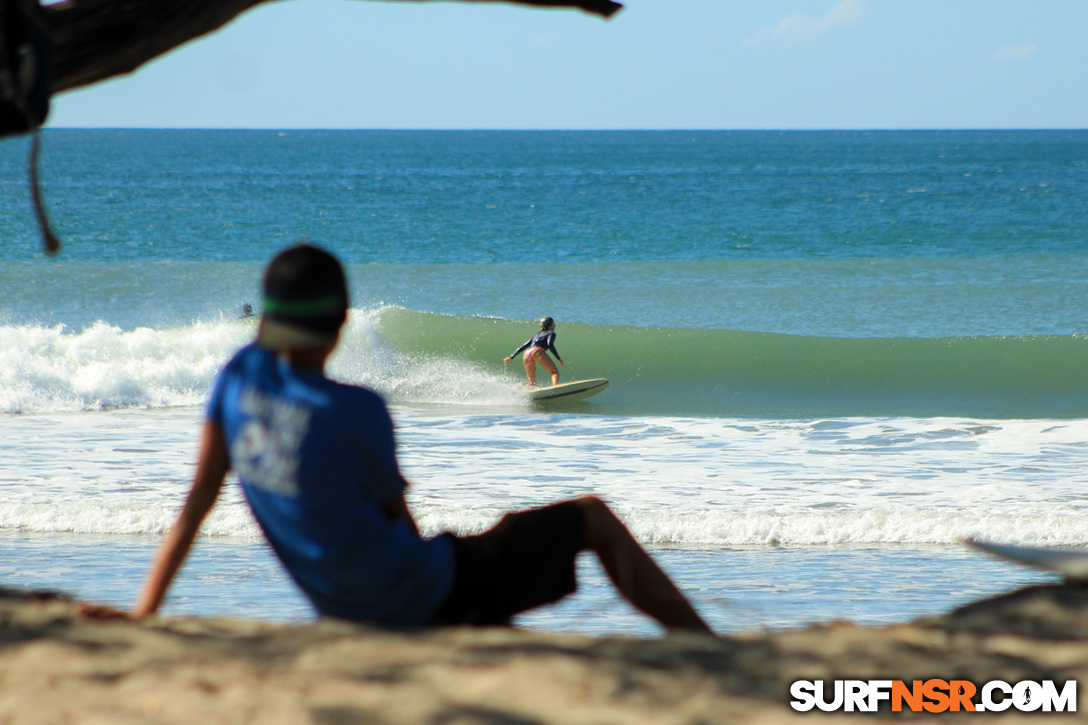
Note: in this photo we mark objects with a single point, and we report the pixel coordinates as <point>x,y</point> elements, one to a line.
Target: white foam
<point>54,369</point>
<point>49,369</point>
<point>363,358</point>
<point>674,481</point>
<point>723,482</point>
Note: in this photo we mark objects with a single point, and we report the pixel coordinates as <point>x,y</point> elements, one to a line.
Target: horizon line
<point>874,129</point>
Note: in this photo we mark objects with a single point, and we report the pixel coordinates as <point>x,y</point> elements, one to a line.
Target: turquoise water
<point>753,274</point>
<point>870,340</point>
<point>494,197</point>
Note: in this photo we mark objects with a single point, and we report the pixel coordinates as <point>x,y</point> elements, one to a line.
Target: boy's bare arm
<point>397,509</point>
<point>211,470</point>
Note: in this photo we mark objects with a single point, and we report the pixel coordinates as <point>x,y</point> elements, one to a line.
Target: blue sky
<point>657,64</point>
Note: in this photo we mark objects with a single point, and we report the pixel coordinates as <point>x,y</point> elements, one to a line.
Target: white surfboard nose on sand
<point>1072,564</point>
<point>576,390</point>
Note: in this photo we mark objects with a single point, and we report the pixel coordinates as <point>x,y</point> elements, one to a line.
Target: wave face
<point>419,358</point>
<point>731,373</point>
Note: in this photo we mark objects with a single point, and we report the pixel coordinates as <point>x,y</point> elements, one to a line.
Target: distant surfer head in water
<point>305,300</point>
<point>536,351</point>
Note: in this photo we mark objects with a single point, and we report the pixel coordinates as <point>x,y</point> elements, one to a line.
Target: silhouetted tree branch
<point>99,39</point>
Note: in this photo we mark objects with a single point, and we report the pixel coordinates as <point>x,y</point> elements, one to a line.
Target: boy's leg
<point>528,559</point>
<point>635,574</point>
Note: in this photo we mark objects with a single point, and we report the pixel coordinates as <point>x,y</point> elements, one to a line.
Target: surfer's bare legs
<point>530,369</point>
<point>547,364</point>
<point>635,574</point>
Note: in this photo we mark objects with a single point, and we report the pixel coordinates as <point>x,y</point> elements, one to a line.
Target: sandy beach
<point>58,666</point>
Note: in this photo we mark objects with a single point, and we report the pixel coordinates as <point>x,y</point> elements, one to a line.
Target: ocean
<point>833,355</point>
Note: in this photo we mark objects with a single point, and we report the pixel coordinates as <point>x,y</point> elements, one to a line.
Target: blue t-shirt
<point>316,460</point>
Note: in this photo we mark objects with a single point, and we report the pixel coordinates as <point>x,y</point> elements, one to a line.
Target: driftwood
<point>98,39</point>
<point>94,40</point>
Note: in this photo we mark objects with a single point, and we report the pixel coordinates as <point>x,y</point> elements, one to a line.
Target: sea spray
<point>100,367</point>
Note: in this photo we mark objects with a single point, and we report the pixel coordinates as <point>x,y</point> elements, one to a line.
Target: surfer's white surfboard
<point>577,390</point>
<point>1070,563</point>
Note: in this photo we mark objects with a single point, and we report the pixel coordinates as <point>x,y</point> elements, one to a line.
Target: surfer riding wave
<point>538,347</point>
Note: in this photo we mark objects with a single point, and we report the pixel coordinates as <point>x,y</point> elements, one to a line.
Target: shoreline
<point>737,590</point>
<point>58,666</point>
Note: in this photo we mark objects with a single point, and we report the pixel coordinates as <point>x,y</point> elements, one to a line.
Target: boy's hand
<point>100,611</point>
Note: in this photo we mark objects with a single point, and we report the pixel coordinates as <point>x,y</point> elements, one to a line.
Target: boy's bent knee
<point>602,525</point>
<point>593,507</point>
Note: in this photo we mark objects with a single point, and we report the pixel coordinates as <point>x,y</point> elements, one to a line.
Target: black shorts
<point>524,561</point>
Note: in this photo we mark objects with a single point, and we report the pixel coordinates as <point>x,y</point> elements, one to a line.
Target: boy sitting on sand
<point>317,464</point>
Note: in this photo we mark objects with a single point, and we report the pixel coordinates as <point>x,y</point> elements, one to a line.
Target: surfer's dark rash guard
<point>544,339</point>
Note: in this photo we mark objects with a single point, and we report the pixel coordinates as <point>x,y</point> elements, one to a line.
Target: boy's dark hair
<point>305,299</point>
